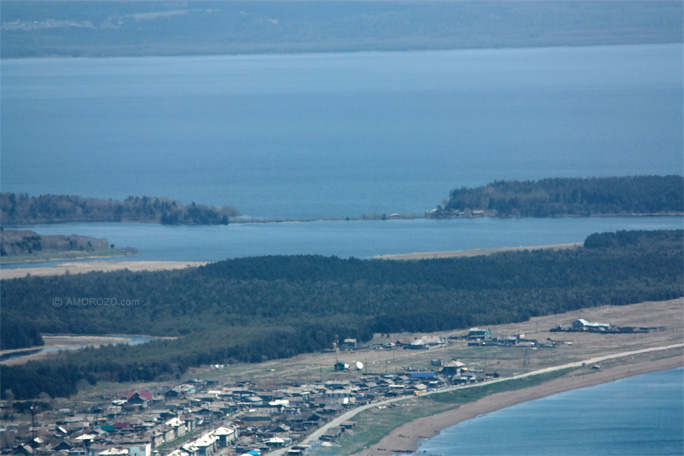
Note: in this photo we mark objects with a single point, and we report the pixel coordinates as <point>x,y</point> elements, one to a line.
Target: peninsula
<point>25,246</point>
<point>22,209</point>
<point>563,197</point>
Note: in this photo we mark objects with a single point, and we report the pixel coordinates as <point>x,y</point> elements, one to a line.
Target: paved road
<point>351,413</point>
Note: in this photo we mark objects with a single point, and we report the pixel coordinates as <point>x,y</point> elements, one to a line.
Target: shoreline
<point>83,267</point>
<point>100,266</point>
<point>408,437</point>
<point>473,252</point>
<point>12,261</point>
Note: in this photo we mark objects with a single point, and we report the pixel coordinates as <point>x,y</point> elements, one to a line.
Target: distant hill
<point>136,28</point>
<point>568,197</point>
<point>21,209</point>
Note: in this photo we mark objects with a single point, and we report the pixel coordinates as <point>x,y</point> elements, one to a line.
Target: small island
<point>24,246</point>
<point>562,197</point>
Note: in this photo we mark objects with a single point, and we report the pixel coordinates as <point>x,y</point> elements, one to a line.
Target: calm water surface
<point>360,239</point>
<point>336,135</point>
<point>638,416</point>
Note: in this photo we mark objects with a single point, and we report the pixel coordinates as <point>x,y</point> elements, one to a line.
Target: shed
<point>479,333</point>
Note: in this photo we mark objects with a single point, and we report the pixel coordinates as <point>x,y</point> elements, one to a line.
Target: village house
<point>479,334</point>
<point>139,400</point>
<point>226,436</point>
<point>427,343</point>
<point>348,345</point>
<point>584,325</point>
<point>207,444</point>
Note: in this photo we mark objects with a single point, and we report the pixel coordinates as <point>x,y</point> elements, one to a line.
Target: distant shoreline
<point>133,265</point>
<point>258,28</point>
<point>473,252</point>
<point>67,255</point>
<point>243,220</point>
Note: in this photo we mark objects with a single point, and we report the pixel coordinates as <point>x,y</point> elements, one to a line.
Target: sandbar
<point>473,252</point>
<point>104,266</point>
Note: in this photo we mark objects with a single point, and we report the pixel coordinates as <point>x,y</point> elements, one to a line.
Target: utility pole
<point>337,348</point>
<point>33,421</point>
<point>275,385</point>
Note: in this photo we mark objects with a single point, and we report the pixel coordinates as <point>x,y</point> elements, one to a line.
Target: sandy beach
<point>104,266</point>
<point>83,267</point>
<point>471,253</point>
<point>407,438</point>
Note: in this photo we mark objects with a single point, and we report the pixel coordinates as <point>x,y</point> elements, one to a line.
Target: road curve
<point>346,416</point>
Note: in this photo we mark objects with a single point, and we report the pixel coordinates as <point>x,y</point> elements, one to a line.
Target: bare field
<point>104,266</point>
<point>505,360</point>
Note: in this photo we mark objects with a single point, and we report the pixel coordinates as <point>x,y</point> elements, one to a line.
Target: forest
<point>570,197</point>
<point>255,309</point>
<point>22,209</point>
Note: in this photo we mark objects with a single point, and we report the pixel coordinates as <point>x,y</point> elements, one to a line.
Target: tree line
<point>570,197</point>
<point>22,209</point>
<point>15,243</point>
<point>255,309</point>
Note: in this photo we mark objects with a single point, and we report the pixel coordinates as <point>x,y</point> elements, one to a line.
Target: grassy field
<point>56,255</point>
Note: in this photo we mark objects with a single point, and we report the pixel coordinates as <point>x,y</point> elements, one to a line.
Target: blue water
<point>336,135</point>
<point>639,416</point>
<point>359,239</point>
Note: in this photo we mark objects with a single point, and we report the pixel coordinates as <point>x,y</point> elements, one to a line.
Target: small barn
<point>480,334</point>
<point>583,325</point>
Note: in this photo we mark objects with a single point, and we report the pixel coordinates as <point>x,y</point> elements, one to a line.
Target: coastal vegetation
<point>569,197</point>
<point>256,309</point>
<point>22,209</point>
<point>22,246</point>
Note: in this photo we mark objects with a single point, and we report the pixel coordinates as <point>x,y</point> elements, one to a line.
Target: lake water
<point>360,239</point>
<point>336,135</point>
<point>639,416</point>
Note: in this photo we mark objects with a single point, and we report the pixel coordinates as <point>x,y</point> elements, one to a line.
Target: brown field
<point>104,266</point>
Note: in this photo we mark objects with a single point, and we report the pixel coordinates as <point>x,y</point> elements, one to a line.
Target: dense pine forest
<point>570,197</point>
<point>254,309</point>
<point>21,209</point>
